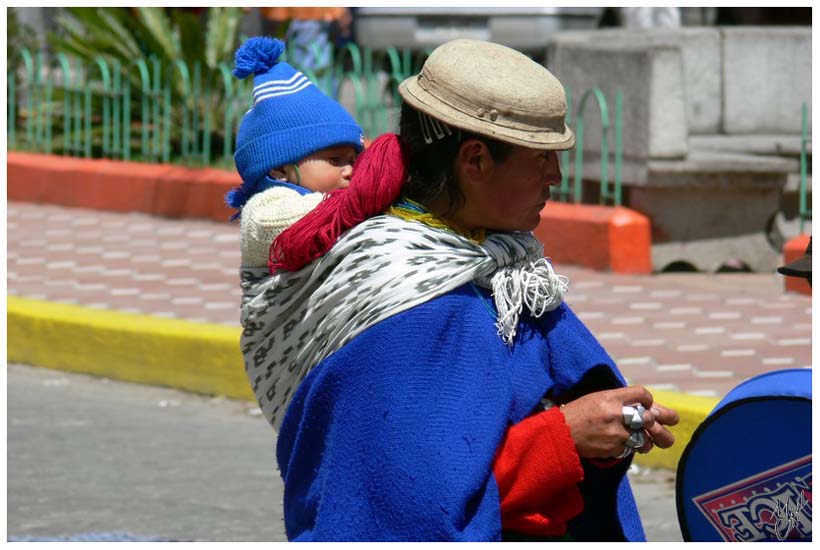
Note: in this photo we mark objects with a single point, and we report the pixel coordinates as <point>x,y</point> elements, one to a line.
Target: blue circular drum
<point>746,473</point>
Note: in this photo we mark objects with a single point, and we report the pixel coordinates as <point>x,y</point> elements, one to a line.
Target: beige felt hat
<point>494,91</point>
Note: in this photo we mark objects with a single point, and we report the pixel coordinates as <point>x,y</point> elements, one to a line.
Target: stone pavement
<point>696,333</point>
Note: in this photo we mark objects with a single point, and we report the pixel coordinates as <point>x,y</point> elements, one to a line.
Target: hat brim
<point>422,100</point>
<point>801,267</point>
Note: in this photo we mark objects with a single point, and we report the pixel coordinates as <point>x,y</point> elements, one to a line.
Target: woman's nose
<point>556,179</point>
<point>554,171</point>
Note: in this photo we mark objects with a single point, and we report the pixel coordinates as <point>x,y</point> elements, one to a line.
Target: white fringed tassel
<point>535,285</point>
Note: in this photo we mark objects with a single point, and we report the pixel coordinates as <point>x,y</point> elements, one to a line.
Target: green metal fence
<point>104,110</point>
<point>610,193</point>
<point>153,113</point>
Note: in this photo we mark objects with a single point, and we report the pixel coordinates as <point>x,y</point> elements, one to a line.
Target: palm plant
<point>20,36</point>
<point>190,60</point>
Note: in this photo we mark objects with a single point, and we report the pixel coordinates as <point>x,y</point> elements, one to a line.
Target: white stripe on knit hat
<point>292,82</point>
<point>259,98</point>
<point>296,74</point>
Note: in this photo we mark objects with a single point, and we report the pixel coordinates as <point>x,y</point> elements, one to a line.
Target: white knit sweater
<point>267,214</point>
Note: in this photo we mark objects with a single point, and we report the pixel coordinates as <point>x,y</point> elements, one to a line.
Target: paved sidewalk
<point>695,333</point>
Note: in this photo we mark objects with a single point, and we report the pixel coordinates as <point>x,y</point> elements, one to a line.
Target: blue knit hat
<point>290,117</point>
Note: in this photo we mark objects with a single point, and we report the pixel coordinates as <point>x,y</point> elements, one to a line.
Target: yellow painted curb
<point>693,409</point>
<point>197,357</point>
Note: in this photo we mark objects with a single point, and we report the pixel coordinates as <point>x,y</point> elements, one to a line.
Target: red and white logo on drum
<point>774,505</point>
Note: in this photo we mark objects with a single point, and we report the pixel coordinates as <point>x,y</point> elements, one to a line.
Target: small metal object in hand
<point>636,440</point>
<point>633,416</point>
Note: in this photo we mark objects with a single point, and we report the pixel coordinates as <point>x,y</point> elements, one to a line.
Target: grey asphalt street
<point>89,456</point>
<point>94,459</point>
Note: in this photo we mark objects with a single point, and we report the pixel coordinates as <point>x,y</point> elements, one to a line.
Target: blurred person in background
<point>309,32</point>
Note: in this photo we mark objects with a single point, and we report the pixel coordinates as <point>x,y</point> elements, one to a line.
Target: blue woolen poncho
<point>393,436</point>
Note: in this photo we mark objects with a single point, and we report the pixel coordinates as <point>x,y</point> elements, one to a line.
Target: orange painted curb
<point>792,250</point>
<point>603,238</point>
<point>599,237</point>
<point>119,186</point>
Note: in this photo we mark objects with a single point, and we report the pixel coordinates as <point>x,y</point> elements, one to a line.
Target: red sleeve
<point>537,469</point>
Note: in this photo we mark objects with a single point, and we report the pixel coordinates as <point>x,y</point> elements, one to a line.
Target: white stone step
<point>784,144</point>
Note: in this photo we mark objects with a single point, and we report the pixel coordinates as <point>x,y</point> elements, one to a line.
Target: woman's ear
<point>474,161</point>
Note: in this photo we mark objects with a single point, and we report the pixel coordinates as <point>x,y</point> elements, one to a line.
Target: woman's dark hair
<point>430,166</point>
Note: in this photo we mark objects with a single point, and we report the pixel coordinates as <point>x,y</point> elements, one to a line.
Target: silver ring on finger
<point>636,439</point>
<point>633,416</point>
<point>625,453</point>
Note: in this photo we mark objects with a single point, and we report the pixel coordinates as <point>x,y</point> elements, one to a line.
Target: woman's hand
<point>596,422</point>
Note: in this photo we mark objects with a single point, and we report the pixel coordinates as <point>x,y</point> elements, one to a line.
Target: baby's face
<point>327,169</point>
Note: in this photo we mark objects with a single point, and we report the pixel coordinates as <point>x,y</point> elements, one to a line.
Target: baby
<point>294,144</point>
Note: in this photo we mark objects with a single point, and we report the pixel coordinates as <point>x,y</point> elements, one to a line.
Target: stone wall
<point>711,131</point>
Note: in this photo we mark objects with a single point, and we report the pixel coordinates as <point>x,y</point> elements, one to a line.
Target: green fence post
<point>394,78</point>
<point>805,212</point>
<point>116,105</point>
<point>11,113</point>
<point>37,92</point>
<point>579,146</point>
<point>68,91</point>
<point>206,127</point>
<point>105,94</point>
<point>368,120</point>
<point>197,103</point>
<point>355,54</point>
<point>322,78</point>
<point>87,115</point>
<point>77,108</point>
<point>156,112</point>
<point>406,62</point>
<point>28,62</point>
<point>166,122</point>
<point>579,159</point>
<point>186,111</point>
<point>353,75</point>
<point>619,147</point>
<point>145,111</point>
<point>48,111</point>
